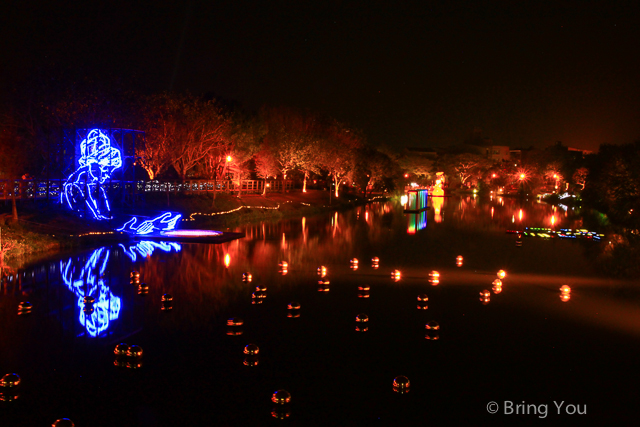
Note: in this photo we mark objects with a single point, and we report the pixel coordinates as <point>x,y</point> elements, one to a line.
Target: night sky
<point>410,74</point>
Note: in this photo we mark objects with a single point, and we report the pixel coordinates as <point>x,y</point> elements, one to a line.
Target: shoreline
<point>45,234</point>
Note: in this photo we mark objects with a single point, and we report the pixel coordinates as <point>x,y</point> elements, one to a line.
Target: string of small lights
<point>191,217</point>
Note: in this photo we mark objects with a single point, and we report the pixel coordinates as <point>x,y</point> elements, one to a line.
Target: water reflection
<point>146,248</point>
<point>87,280</point>
<point>416,222</point>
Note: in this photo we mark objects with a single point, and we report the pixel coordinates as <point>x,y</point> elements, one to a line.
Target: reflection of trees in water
<point>618,255</point>
<point>199,271</point>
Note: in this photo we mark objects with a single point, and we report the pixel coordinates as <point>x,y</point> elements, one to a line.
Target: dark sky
<point>407,73</point>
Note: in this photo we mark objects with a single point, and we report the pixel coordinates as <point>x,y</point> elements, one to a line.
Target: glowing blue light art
<point>88,281</point>
<point>83,188</point>
<point>146,247</point>
<point>164,222</point>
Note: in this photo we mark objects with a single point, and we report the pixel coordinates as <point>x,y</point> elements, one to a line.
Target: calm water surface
<point>523,344</point>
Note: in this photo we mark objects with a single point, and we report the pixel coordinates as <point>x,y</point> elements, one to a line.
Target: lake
<point>524,349</point>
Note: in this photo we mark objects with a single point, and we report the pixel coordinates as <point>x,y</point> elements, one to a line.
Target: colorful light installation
<point>164,222</point>
<point>417,200</point>
<point>83,189</point>
<point>89,283</point>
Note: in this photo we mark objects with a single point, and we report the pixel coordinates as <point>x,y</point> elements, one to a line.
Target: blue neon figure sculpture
<point>89,281</point>
<point>165,221</point>
<point>83,188</point>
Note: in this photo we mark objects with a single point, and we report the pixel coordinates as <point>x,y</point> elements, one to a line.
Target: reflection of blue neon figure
<point>89,282</point>
<point>146,247</point>
<point>97,162</point>
<point>166,221</point>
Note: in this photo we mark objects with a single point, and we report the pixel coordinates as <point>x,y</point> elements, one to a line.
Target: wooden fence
<point>32,189</point>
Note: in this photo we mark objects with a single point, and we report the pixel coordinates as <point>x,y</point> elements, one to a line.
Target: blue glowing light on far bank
<point>83,188</point>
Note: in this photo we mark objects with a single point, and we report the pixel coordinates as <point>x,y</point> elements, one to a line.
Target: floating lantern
<point>485,294</point>
<point>134,351</point>
<point>63,422</point>
<point>143,289</point>
<point>322,271</point>
<point>497,286</point>
<point>281,413</point>
<point>565,297</point>
<point>423,297</point>
<point>167,298</point>
<point>434,278</point>
<point>134,275</point>
<point>167,306</point>
<point>10,381</point>
<point>88,300</point>
<point>502,274</point>
<point>293,314</point>
<point>251,349</point>
<point>234,331</point>
<point>121,350</point>
<point>433,326</point>
<point>323,286</point>
<point>261,288</point>
<point>362,318</point>
<point>250,361</point>
<point>459,261</point>
<point>364,288</point>
<point>432,336</point>
<point>354,261</point>
<point>134,364</point>
<point>354,267</point>
<point>293,306</point>
<point>361,327</point>
<point>565,289</point>
<point>485,301</point>
<point>281,397</point>
<point>396,275</point>
<point>422,306</point>
<point>363,294</point>
<point>235,321</point>
<point>375,260</point>
<point>246,277</point>
<point>258,296</point>
<point>284,267</point>
<point>401,384</point>
<point>24,307</point>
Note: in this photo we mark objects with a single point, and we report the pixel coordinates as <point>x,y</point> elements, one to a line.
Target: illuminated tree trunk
<point>304,182</point>
<point>336,180</point>
<point>14,208</point>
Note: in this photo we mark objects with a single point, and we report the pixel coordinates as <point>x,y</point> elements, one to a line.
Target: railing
<point>30,189</point>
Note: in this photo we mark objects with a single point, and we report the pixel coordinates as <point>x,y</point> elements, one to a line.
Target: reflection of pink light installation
<point>191,233</point>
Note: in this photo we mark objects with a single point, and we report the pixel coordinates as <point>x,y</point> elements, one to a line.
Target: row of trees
<point>190,136</point>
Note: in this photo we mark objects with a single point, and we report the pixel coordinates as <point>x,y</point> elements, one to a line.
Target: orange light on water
<point>227,260</point>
